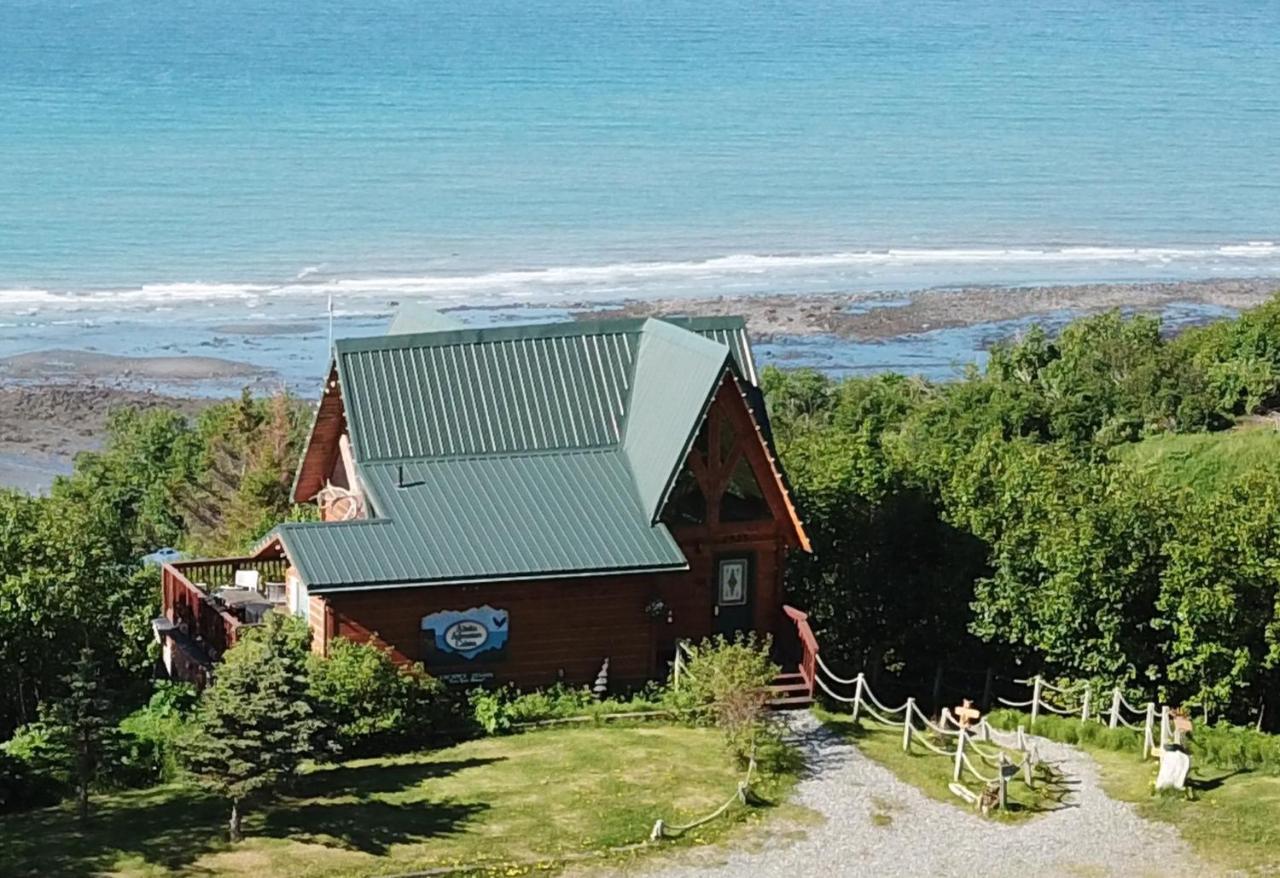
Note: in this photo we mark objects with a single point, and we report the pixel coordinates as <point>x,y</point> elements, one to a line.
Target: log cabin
<point>519,504</point>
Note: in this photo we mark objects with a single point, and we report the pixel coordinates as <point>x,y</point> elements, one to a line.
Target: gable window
<point>743,500</point>
<point>686,505</point>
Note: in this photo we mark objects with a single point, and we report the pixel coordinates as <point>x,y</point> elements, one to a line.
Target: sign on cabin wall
<point>467,634</point>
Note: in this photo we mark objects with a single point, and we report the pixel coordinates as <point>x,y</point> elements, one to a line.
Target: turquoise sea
<point>207,159</point>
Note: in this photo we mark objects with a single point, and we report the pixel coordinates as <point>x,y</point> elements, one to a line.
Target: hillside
<point>1206,461</point>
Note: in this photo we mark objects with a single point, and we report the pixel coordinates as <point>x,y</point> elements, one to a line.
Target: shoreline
<point>880,316</point>
<point>54,402</point>
<point>44,426</point>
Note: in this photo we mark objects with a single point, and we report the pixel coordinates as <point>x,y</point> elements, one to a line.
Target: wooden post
<point>1164,726</point>
<point>1115,708</point>
<point>857,695</point>
<point>1022,738</point>
<point>1148,742</point>
<point>937,689</point>
<point>1002,782</point>
<point>955,774</point>
<point>906,726</point>
<point>1035,700</point>
<point>675,670</point>
<point>1027,770</point>
<point>986,692</point>
<point>1084,711</point>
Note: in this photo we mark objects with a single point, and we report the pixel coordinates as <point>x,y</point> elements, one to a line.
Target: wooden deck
<point>189,598</point>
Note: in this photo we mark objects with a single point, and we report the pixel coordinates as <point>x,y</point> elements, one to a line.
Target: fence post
<point>1035,700</point>
<point>1002,781</point>
<point>1115,708</point>
<point>906,725</point>
<point>857,695</point>
<point>1084,713</point>
<point>675,670</point>
<point>1022,738</point>
<point>1164,726</point>
<point>955,774</point>
<point>1027,769</point>
<point>1147,736</point>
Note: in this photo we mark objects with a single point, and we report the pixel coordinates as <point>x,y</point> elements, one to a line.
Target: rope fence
<point>916,727</point>
<point>662,829</point>
<point>1152,721</point>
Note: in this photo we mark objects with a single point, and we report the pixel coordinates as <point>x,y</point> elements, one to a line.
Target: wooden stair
<point>789,692</point>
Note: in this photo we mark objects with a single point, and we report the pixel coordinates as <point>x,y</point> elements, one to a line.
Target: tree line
<point>1003,519</point>
<point>71,578</point>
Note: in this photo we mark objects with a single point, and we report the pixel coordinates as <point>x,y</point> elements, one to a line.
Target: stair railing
<point>808,646</point>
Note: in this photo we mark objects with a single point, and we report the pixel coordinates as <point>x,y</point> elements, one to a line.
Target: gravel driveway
<point>875,825</point>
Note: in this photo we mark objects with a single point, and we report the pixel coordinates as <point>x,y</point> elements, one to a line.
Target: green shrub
<point>150,734</point>
<point>499,710</point>
<point>726,684</point>
<point>22,787</point>
<point>373,705</point>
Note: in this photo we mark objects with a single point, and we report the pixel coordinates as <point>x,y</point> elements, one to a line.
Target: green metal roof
<point>493,517</point>
<point>675,377</point>
<point>517,452</point>
<point>485,391</point>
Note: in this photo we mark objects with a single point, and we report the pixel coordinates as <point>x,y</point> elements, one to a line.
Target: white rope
<point>921,739</point>
<point>866,690</point>
<point>979,775</point>
<point>997,734</point>
<point>847,699</point>
<point>1129,707</point>
<point>1006,701</point>
<point>932,726</point>
<point>661,828</point>
<point>831,674</point>
<point>1058,710</point>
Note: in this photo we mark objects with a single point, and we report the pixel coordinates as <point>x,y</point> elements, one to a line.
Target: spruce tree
<point>79,730</point>
<point>256,724</point>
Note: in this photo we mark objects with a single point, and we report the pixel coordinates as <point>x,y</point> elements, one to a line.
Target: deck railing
<point>808,646</point>
<point>187,591</point>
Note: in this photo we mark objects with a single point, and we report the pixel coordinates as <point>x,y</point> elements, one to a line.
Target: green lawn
<point>1232,819</point>
<point>1204,461</point>
<point>931,773</point>
<point>537,796</point>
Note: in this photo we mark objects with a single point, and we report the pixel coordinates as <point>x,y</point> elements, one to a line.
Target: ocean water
<point>169,167</point>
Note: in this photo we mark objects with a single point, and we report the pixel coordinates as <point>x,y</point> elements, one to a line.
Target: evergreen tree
<point>79,730</point>
<point>256,724</point>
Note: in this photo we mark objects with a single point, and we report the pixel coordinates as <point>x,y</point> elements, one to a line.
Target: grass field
<point>931,773</point>
<point>1204,461</point>
<point>1232,819</point>
<point>538,796</point>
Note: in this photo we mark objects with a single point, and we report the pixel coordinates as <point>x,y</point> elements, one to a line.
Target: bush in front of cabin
<point>150,734</point>
<point>373,705</point>
<point>504,708</point>
<point>726,684</point>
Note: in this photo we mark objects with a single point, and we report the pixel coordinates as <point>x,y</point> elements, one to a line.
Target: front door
<point>735,588</point>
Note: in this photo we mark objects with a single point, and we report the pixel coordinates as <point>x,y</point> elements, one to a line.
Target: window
<point>727,440</point>
<point>742,499</point>
<point>686,505</point>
